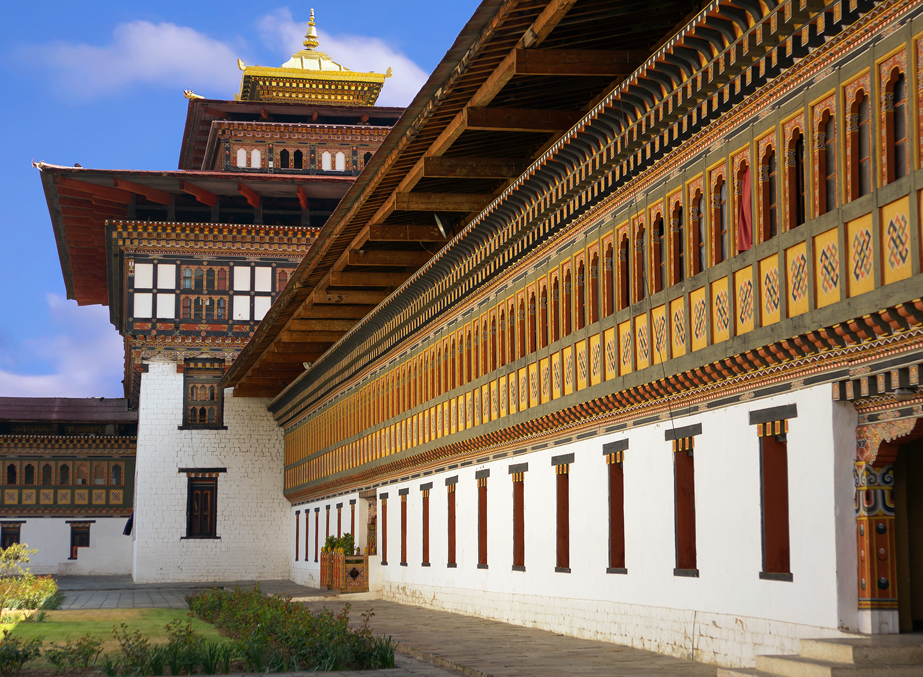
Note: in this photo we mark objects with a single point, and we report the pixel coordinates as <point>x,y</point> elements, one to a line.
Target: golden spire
<point>310,38</point>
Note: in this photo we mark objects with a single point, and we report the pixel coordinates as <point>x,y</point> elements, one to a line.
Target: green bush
<point>20,589</point>
<point>15,652</point>
<point>345,543</point>
<point>79,654</point>
<point>273,634</point>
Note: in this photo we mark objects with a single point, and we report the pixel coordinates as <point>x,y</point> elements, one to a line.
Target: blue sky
<point>100,83</point>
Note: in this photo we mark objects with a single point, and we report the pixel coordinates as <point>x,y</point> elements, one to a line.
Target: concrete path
<point>483,648</point>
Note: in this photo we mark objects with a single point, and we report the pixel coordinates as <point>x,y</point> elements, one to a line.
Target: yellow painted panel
<point>611,363</point>
<point>796,270</point>
<point>596,366</point>
<point>743,289</point>
<point>567,356</point>
<point>642,343</point>
<point>580,358</point>
<point>720,311</point>
<point>660,336</point>
<point>698,319</point>
<point>427,420</point>
<point>626,347</point>
<point>770,291</point>
<point>544,373</point>
<point>523,387</point>
<point>895,241</point>
<point>678,326</point>
<point>503,395</point>
<point>458,414</point>
<point>826,269</point>
<point>512,382</point>
<point>556,384</point>
<point>533,384</point>
<point>485,403</point>
<point>860,274</point>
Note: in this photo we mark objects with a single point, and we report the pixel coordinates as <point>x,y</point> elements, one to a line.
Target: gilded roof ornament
<point>310,38</point>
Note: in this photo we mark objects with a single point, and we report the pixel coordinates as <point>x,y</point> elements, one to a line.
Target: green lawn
<point>62,626</point>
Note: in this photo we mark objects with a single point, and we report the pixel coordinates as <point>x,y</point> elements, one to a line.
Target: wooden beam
<point>577,62</point>
<point>520,119</point>
<point>472,168</point>
<point>252,196</point>
<point>214,112</point>
<point>200,194</point>
<point>441,202</point>
<point>277,381</point>
<point>345,312</point>
<point>304,336</point>
<point>292,357</point>
<point>546,22</point>
<point>113,194</point>
<point>368,279</point>
<point>320,325</point>
<point>152,194</point>
<point>299,347</point>
<point>391,233</point>
<point>302,196</point>
<point>350,297</point>
<point>387,258</point>
<point>265,115</point>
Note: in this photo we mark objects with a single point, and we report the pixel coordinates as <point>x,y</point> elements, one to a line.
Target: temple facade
<point>617,333</point>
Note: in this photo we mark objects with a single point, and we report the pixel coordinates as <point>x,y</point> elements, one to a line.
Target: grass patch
<point>69,625</point>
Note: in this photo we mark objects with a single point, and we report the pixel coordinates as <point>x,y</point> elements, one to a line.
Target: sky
<point>101,84</point>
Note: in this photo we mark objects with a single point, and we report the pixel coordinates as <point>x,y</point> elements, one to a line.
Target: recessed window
<point>80,537</point>
<point>203,399</point>
<point>201,507</point>
<point>9,534</point>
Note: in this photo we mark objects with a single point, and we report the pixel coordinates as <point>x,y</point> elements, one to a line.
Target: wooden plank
<point>321,325</point>
<point>310,347</point>
<point>387,258</point>
<point>520,119</point>
<point>113,194</point>
<point>546,22</point>
<point>343,312</point>
<point>368,279</point>
<point>304,336</point>
<point>302,196</point>
<point>350,297</point>
<point>409,233</point>
<point>200,194</point>
<point>441,202</point>
<point>152,194</point>
<point>472,168</point>
<point>253,198</point>
<point>577,62</point>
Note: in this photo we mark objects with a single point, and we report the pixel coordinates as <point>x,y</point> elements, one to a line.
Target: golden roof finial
<point>310,38</point>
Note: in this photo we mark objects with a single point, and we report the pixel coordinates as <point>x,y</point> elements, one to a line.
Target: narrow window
<point>743,190</point>
<point>580,305</point>
<point>895,106</point>
<point>519,520</point>
<point>365,159</point>
<point>201,507</point>
<point>521,329</point>
<point>283,164</point>
<point>502,337</point>
<point>511,342</point>
<point>222,279</point>
<point>317,534</point>
<point>199,279</point>
<point>210,279</point>
<point>297,513</point>
<point>555,318</point>
<point>493,343</point>
<point>9,535</point>
<point>638,276</point>
<point>484,350</point>
<point>307,533</point>
<point>594,289</point>
<point>615,456</point>
<point>794,165</point>
<point>608,289</point>
<point>700,233</point>
<point>64,475</point>
<point>481,476</point>
<point>187,278</point>
<point>327,522</point>
<point>340,521</point>
<point>679,244</point>
<point>543,318</point>
<point>684,506</point>
<point>562,522</point>
<point>241,157</point>
<point>11,473</point>
<point>47,475</point>
<point>468,358</point>
<point>256,159</point>
<point>425,497</point>
<point>450,491</point>
<point>340,162</point>
<point>567,315</point>
<point>774,492</point>
<point>80,537</point>
<point>826,164</point>
<point>384,529</point>
<point>403,493</point>
<point>452,363</point>
<point>186,308</point>
<point>117,475</point>
<point>770,197</point>
<point>209,309</point>
<point>623,282</point>
<point>220,309</point>
<point>29,474</point>
<point>531,329</point>
<point>659,245</point>
<point>298,160</point>
<point>720,218</point>
<point>326,161</point>
<point>863,147</point>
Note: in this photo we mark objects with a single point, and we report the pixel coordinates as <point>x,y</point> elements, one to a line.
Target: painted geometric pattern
<point>546,378</point>
<point>46,496</point>
<point>830,267</point>
<point>698,320</point>
<point>596,361</point>
<point>28,496</point>
<point>64,496</point>
<point>115,496</point>
<point>643,345</point>
<point>745,301</point>
<point>556,372</point>
<point>898,242</point>
<point>494,402</point>
<point>862,254</point>
<point>581,365</point>
<point>660,334</point>
<point>679,328</point>
<point>533,385</point>
<point>569,370</point>
<point>11,496</point>
<point>610,355</point>
<point>626,347</point>
<point>722,319</point>
<point>514,397</point>
<point>771,290</point>
<point>799,275</point>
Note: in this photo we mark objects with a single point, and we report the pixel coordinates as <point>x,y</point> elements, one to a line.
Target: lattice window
<point>203,399</point>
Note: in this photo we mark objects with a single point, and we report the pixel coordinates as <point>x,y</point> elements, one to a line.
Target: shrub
<point>20,589</point>
<point>345,544</point>
<point>79,654</point>
<point>15,652</point>
<point>275,634</point>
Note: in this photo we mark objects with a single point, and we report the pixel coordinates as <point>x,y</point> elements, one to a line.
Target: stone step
<point>799,666</point>
<point>882,649</point>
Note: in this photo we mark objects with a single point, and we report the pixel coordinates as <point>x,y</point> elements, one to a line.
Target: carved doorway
<point>908,528</point>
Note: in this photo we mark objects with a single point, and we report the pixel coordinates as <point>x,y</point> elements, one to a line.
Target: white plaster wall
<point>305,570</point>
<point>109,551</point>
<point>252,513</point>
<point>725,616</point>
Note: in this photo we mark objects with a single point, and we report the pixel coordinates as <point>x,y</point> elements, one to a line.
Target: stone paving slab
<point>484,648</point>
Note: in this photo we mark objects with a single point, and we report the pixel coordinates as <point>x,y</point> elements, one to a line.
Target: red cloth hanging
<point>744,214</point>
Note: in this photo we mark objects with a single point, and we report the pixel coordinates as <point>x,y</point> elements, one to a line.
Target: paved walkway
<point>434,643</point>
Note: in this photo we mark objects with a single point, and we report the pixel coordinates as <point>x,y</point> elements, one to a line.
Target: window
<point>769,196</point>
<point>403,495</point>
<point>531,329</point>
<point>326,161</point>
<point>826,164</point>
<point>894,105</point>
<point>580,305</point>
<point>720,220</point>
<point>64,473</point>
<point>615,456</point>
<point>47,475</point>
<point>28,475</point>
<point>203,400</point>
<point>594,288</point>
<point>659,246</point>
<point>297,527</point>
<point>742,191</point>
<point>241,157</point>
<point>425,496</point>
<point>11,473</point>
<point>340,162</point>
<point>521,329</point>
<point>640,279</point>
<point>307,533</point>
<point>82,474</point>
<point>517,472</point>
<point>555,314</point>
<point>222,279</point>
<point>622,277</point>
<point>684,498</point>
<point>365,159</point>
<point>567,315</point>
<point>501,337</point>
<point>283,164</point>
<point>340,521</point>
<point>562,522</point>
<point>298,158</point>
<point>187,278</point>
<point>317,533</point>
<point>450,492</point>
<point>9,534</point>
<point>608,300</point>
<point>860,145</point>
<point>201,507</point>
<point>80,536</point>
<point>678,242</point>
<point>543,317</point>
<point>699,233</point>
<point>481,476</point>
<point>794,165</point>
<point>256,159</point>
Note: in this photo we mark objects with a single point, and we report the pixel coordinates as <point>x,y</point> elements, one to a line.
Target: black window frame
<point>205,372</point>
<point>197,487</point>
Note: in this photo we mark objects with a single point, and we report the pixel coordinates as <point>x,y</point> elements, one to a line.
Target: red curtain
<point>744,214</point>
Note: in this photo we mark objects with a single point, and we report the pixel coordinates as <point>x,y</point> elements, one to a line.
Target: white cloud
<point>358,53</point>
<point>140,53</point>
<point>87,357</point>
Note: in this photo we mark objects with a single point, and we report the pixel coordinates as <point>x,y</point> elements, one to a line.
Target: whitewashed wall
<point>304,570</point>
<point>725,616</point>
<point>251,515</point>
<point>109,551</point>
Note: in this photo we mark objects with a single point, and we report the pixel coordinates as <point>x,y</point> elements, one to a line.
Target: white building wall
<point>109,551</point>
<point>725,616</point>
<point>252,513</point>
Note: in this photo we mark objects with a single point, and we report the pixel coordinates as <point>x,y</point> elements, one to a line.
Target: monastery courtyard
<point>430,643</point>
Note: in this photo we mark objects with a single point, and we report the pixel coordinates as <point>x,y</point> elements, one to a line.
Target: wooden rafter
<point>394,233</point>
<point>388,258</point>
<point>152,194</point>
<point>200,194</point>
<point>253,198</point>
